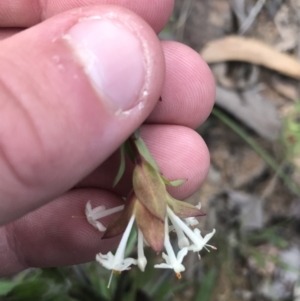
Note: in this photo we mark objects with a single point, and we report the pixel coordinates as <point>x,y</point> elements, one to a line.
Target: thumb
<point>72,89</point>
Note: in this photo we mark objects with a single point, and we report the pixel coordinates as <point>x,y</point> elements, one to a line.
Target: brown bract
<point>148,204</point>
<point>183,209</point>
<point>150,189</point>
<point>151,227</point>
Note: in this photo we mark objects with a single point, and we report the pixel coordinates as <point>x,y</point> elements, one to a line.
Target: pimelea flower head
<point>150,207</point>
<point>117,262</point>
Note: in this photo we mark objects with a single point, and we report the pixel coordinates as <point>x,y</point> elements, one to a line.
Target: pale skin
<point>58,141</point>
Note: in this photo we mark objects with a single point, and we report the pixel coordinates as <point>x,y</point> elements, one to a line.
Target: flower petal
<point>181,254</point>
<point>163,266</point>
<point>125,264</point>
<point>142,260</point>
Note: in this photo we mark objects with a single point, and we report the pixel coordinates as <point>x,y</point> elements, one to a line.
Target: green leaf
<point>6,287</point>
<point>144,152</point>
<point>137,134</point>
<point>129,151</point>
<point>122,166</point>
<point>29,290</point>
<point>175,183</point>
<point>207,286</point>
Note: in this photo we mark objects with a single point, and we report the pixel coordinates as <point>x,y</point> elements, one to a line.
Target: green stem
<point>272,163</point>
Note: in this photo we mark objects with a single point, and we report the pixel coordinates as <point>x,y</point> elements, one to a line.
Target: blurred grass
<point>260,150</point>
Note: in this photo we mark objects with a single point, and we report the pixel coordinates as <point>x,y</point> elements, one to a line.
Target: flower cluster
<point>155,213</point>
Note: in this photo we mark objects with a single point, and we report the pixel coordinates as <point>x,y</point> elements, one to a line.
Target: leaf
<point>30,290</point>
<point>183,209</point>
<point>207,286</point>
<point>129,151</point>
<point>175,183</point>
<point>6,287</point>
<point>150,189</point>
<point>151,227</point>
<point>119,225</point>
<point>122,166</point>
<point>137,134</point>
<point>144,152</point>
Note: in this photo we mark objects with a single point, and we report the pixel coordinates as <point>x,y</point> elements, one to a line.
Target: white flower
<point>202,241</point>
<point>182,239</point>
<point>98,212</point>
<point>110,262</point>
<point>117,262</point>
<point>172,262</point>
<point>142,260</point>
<point>198,242</point>
<point>191,221</point>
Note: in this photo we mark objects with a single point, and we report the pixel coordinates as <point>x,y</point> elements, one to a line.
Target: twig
<point>184,13</point>
<point>252,15</point>
<point>238,7</point>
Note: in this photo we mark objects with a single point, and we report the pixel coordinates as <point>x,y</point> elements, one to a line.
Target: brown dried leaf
<point>233,48</point>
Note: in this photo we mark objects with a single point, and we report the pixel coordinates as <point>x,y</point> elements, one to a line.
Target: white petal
<point>196,247</point>
<point>99,212</point>
<point>106,260</point>
<point>100,226</point>
<point>125,264</point>
<point>208,236</point>
<point>163,266</point>
<point>181,254</point>
<point>182,239</point>
<point>179,268</point>
<point>142,262</point>
<point>191,221</point>
<point>189,232</point>
<point>198,206</point>
<point>88,207</point>
<point>92,222</point>
<point>119,255</point>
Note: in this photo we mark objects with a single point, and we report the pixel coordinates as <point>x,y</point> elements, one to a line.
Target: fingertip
<point>189,90</point>
<point>181,153</point>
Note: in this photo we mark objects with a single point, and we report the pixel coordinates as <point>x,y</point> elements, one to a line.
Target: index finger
<point>26,13</point>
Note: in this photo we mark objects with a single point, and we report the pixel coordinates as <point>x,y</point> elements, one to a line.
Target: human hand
<point>72,89</point>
